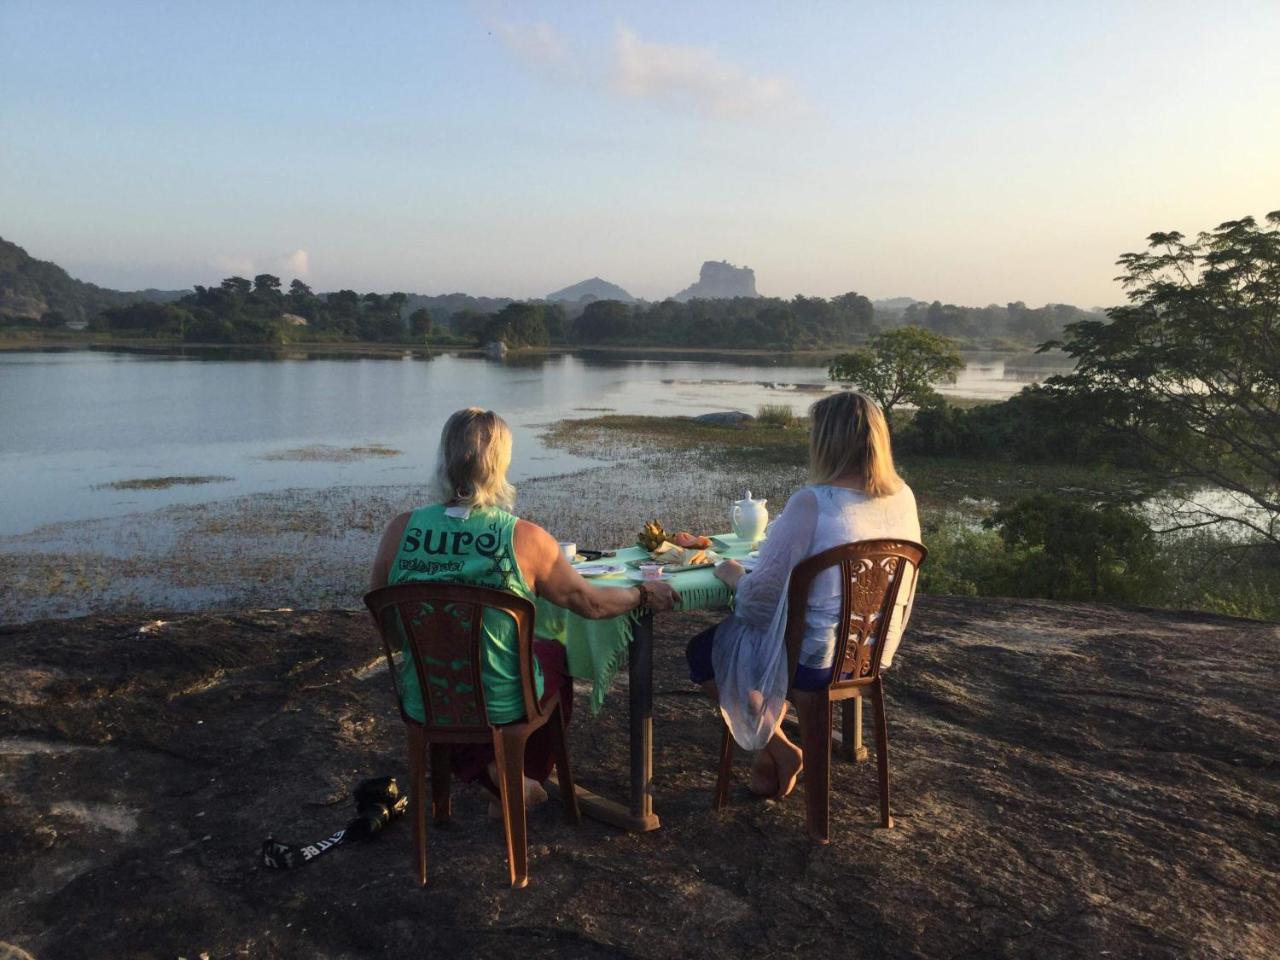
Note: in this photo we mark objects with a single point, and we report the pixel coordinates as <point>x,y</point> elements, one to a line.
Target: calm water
<point>73,421</point>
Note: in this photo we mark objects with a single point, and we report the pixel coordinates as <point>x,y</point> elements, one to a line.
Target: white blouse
<point>749,654</point>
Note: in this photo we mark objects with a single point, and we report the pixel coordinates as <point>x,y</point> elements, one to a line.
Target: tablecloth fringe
<point>693,598</point>
<point>606,673</point>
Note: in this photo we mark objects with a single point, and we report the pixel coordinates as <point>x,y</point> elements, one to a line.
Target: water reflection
<point>249,353</point>
<point>71,421</point>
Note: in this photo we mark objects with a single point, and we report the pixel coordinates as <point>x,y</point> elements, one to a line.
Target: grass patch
<point>618,436</point>
<point>776,415</point>
<point>161,483</point>
<point>969,487</point>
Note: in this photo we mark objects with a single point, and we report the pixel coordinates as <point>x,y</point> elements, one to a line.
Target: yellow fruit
<point>652,536</point>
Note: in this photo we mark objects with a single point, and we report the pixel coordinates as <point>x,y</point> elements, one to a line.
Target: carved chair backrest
<point>872,572</point>
<point>441,626</point>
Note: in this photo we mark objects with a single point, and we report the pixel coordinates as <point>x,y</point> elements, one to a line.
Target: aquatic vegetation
<point>162,483</point>
<point>323,453</point>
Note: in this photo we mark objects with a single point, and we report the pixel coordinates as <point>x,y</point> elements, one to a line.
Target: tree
<point>265,283</point>
<point>145,317</point>
<point>899,366</point>
<point>237,286</point>
<point>420,323</point>
<point>1073,551</point>
<point>470,323</point>
<point>855,313</point>
<point>604,320</point>
<point>1190,367</point>
<point>518,325</point>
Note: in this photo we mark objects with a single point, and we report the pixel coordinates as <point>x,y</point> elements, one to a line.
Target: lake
<point>74,422</point>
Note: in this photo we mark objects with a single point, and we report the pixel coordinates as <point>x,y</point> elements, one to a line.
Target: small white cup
<point>569,549</point>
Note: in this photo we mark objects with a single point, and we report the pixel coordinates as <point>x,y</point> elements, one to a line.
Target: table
<point>594,651</point>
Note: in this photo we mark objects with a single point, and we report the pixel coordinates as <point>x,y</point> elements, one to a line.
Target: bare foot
<point>534,794</point>
<point>764,775</point>
<point>788,761</point>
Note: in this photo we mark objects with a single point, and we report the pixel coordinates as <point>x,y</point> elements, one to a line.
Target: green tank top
<point>478,550</point>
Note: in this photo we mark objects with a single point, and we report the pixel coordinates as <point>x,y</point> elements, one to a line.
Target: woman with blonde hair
<point>469,535</point>
<point>854,494</point>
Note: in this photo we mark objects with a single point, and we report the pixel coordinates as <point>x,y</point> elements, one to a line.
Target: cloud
<point>537,44</point>
<point>295,264</point>
<point>692,78</point>
<point>696,78</point>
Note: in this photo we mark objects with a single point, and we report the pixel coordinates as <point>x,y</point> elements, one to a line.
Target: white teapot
<point>749,518</point>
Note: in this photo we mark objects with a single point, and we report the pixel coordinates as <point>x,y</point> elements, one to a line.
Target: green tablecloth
<point>597,649</point>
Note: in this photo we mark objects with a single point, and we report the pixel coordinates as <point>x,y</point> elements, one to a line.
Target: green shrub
<point>776,415</point>
<point>1073,551</point>
<point>1037,425</point>
<point>964,562</point>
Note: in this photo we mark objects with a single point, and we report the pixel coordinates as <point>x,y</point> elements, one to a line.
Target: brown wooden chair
<point>871,574</point>
<point>441,624</point>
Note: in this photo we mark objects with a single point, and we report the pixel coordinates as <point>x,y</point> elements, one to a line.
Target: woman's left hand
<point>730,572</point>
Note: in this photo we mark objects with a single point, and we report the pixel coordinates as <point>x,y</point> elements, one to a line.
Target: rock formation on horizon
<point>720,279</point>
<point>593,289</point>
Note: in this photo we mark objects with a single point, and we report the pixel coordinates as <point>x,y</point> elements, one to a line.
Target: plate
<point>674,567</point>
<point>600,569</point>
<point>729,542</point>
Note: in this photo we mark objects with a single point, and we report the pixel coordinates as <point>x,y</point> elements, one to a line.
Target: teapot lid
<point>747,499</point>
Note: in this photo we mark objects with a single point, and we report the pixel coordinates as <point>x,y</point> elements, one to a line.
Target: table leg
<point>637,815</point>
<point>641,690</point>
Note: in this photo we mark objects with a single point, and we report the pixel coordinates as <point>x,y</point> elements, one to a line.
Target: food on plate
<point>682,549</point>
<point>652,536</point>
<point>670,555</point>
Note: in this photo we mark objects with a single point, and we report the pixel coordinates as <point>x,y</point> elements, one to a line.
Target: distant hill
<point>594,289</point>
<point>893,306</point>
<point>720,280</point>
<point>31,288</point>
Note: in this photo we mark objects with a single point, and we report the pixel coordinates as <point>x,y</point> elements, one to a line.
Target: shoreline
<point>819,356</point>
<point>310,547</point>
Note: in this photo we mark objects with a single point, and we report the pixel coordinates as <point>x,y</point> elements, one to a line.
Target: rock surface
<point>1069,781</point>
<point>719,279</point>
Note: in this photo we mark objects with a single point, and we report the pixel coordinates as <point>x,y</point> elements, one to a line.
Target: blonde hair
<point>471,466</point>
<point>849,437</point>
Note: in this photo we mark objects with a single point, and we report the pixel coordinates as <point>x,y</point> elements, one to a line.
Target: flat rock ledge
<point>1069,781</point>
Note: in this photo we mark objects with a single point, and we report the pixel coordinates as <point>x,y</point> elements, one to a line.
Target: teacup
<point>651,571</point>
<point>569,549</point>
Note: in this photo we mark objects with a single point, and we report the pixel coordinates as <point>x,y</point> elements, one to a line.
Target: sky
<point>977,152</point>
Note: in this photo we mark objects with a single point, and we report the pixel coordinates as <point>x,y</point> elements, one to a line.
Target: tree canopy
<point>736,322</point>
<point>899,366</point>
<point>1190,367</point>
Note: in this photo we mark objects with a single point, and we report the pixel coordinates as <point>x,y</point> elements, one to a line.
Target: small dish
<point>639,577</point>
<point>600,569</point>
